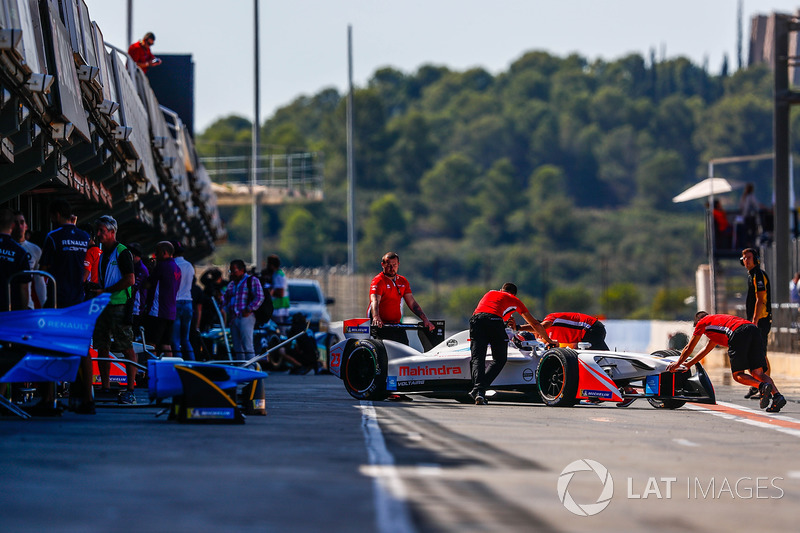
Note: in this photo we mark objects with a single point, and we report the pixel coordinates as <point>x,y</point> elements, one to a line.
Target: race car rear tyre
<point>557,377</point>
<point>364,368</point>
<point>666,403</point>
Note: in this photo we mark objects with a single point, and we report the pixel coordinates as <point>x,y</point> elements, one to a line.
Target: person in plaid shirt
<point>242,297</point>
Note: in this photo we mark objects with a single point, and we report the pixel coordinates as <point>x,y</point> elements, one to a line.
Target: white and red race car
<point>373,369</point>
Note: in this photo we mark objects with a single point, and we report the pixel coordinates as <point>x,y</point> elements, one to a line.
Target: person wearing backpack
<point>243,297</point>
<point>265,310</point>
<point>302,352</point>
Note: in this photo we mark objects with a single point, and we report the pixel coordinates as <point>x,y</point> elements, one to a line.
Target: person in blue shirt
<point>13,259</point>
<point>63,255</point>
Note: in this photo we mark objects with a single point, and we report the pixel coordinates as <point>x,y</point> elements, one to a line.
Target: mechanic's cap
<point>135,248</point>
<point>177,247</point>
<point>107,221</point>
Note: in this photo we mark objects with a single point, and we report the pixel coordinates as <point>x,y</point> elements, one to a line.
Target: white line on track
<point>790,426</point>
<point>685,442</point>
<point>391,512</point>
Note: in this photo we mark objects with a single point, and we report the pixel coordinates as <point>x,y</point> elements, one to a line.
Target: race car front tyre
<point>666,403</point>
<point>557,377</point>
<point>364,369</point>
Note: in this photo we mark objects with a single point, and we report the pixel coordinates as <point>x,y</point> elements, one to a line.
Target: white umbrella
<point>707,187</point>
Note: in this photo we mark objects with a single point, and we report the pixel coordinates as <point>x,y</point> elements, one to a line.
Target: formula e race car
<point>374,369</point>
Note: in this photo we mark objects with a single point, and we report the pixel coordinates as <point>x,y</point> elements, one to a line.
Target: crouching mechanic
<point>572,328</point>
<point>487,328</point>
<point>745,350</point>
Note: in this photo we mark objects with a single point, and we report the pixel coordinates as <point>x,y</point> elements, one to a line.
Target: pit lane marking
<point>737,413</point>
<point>685,442</point>
<point>391,511</point>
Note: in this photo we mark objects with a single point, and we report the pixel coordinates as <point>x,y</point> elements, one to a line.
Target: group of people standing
<point>84,264</point>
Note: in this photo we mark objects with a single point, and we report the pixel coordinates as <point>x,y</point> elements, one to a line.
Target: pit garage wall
<point>78,120</point>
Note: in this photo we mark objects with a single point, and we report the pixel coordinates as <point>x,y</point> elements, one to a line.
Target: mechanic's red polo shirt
<point>501,304</point>
<point>719,328</point>
<point>568,327</point>
<point>391,292</point>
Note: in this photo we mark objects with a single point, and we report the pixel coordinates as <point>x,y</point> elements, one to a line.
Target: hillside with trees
<point>557,174</point>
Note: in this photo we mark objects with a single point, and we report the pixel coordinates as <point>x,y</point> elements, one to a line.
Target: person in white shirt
<point>794,287</point>
<point>37,291</point>
<point>183,309</point>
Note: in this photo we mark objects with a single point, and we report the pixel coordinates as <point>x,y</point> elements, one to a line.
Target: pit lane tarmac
<point>314,463</point>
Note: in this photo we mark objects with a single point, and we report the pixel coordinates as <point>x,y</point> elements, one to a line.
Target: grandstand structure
<point>79,121</point>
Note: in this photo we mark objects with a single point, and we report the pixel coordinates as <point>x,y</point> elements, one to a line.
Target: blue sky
<point>304,42</point>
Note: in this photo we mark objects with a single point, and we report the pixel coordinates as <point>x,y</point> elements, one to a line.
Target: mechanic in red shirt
<point>386,292</point>
<point>572,328</point>
<point>141,54</point>
<point>745,350</point>
<point>487,328</point>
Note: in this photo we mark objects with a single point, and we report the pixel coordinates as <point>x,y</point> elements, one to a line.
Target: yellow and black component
<point>202,400</point>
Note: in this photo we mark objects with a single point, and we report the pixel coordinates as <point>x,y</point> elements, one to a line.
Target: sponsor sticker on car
<point>603,394</point>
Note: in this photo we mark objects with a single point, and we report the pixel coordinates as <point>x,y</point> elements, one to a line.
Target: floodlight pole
<point>130,22</point>
<point>255,208</point>
<point>351,180</point>
<point>784,98</point>
<point>710,237</point>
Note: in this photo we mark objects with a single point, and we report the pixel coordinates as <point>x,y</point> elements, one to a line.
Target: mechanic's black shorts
<point>158,330</point>
<point>746,349</point>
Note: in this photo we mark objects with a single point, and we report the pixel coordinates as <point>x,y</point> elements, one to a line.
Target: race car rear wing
<point>361,328</point>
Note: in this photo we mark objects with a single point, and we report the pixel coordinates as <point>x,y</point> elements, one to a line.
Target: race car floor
<point>322,461</point>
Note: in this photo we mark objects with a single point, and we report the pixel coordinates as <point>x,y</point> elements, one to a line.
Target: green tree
<point>622,299</point>
<point>549,207</point>
<point>570,299</point>
<point>494,200</point>
<point>669,304</point>
<point>300,238</point>
<point>385,228</point>
<point>462,301</point>
<point>444,189</point>
<point>412,152</point>
<point>617,157</point>
<point>659,178</point>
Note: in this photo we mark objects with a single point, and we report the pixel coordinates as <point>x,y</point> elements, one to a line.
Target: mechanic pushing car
<point>487,328</point>
<point>386,291</point>
<point>572,328</point>
<point>745,350</point>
